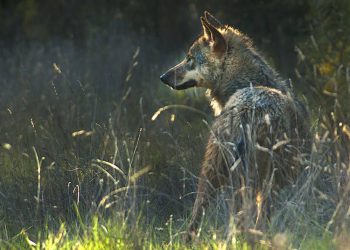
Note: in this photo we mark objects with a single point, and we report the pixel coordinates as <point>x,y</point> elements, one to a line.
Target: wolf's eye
<point>189,58</point>
<point>190,61</point>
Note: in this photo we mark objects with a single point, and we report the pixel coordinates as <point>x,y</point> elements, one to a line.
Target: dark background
<point>275,26</point>
<point>94,66</point>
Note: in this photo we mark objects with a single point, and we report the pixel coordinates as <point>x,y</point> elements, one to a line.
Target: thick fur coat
<point>261,130</point>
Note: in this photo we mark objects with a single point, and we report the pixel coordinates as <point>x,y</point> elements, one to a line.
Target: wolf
<point>261,129</point>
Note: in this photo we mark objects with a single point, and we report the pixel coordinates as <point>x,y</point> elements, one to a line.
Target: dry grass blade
<point>157,113</point>
<point>114,192</point>
<point>139,173</point>
<point>106,163</point>
<point>106,172</point>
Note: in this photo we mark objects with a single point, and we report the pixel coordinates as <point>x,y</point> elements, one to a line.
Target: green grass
<point>101,234</point>
<point>84,166</point>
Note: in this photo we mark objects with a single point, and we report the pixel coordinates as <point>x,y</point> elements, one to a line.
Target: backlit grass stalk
<point>37,198</point>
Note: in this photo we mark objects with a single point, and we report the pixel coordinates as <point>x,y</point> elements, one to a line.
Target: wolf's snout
<point>165,78</point>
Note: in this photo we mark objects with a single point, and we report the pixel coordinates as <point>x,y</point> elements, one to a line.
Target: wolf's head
<point>205,60</point>
<point>222,60</point>
<point>205,52</point>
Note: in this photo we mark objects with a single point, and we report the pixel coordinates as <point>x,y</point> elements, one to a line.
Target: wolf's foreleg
<point>211,178</point>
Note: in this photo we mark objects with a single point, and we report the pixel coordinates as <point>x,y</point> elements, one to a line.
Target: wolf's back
<point>265,129</point>
<point>258,140</point>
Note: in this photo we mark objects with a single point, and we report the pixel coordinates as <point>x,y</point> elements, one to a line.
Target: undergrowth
<point>97,154</point>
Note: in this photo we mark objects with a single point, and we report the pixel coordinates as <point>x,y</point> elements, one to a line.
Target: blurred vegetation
<point>79,86</point>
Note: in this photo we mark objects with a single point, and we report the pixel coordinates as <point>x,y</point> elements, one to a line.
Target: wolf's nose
<point>163,77</point>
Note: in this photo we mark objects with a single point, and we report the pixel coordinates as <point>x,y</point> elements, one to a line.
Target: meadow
<point>96,153</point>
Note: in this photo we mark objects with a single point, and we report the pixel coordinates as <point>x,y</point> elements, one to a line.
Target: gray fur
<point>261,129</point>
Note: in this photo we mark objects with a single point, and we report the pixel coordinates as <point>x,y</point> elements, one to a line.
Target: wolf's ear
<point>214,36</point>
<point>212,19</point>
<point>206,30</point>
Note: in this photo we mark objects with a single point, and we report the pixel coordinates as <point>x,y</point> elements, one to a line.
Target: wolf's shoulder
<point>260,98</point>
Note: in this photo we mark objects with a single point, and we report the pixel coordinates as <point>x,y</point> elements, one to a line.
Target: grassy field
<point>97,154</point>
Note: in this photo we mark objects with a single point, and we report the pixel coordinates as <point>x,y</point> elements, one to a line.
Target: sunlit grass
<point>91,159</point>
<point>110,234</point>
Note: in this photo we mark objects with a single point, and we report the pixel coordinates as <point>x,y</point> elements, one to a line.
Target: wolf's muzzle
<point>167,78</point>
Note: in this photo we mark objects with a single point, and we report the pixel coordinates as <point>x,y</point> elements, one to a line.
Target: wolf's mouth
<point>166,79</point>
<point>186,85</point>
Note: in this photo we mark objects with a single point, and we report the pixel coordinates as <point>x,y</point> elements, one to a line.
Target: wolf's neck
<point>262,75</point>
<point>220,95</point>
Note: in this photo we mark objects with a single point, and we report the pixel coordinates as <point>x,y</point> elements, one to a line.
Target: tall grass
<point>87,161</point>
